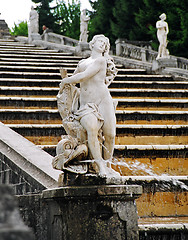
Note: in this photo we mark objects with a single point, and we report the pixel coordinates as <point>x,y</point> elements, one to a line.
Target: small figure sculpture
<point>162,31</point>
<point>88,113</point>
<point>84,26</point>
<point>33,21</point>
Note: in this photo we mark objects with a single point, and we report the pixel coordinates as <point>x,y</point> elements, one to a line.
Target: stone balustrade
<point>59,39</point>
<point>144,54</point>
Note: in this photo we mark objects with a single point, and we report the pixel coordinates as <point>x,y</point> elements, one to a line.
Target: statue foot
<point>103,170</point>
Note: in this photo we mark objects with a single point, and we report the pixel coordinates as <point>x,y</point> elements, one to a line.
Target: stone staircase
<point>152,121</point>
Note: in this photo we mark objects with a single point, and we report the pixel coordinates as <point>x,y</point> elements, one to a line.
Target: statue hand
<point>62,84</point>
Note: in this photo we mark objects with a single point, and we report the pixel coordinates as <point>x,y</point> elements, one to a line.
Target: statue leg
<point>90,123</point>
<point>109,127</point>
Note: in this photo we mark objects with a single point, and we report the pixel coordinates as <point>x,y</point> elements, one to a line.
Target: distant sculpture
<point>162,31</point>
<point>84,26</point>
<point>33,21</point>
<point>88,113</point>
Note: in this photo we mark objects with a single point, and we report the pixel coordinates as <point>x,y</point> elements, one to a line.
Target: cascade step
<point>149,84</point>
<point>150,117</point>
<point>163,228</point>
<point>142,77</point>
<point>125,134</point>
<point>38,60</point>
<point>114,92</point>
<point>136,160</point>
<point>39,56</point>
<point>175,93</point>
<point>38,65</point>
<point>128,104</point>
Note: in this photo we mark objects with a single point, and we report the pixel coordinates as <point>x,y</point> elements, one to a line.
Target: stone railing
<point>144,54</point>
<point>128,50</point>
<point>23,165</point>
<point>59,39</point>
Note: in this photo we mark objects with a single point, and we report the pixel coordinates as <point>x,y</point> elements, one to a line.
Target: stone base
<point>162,63</point>
<point>93,212</point>
<point>34,36</point>
<point>89,179</point>
<point>83,49</point>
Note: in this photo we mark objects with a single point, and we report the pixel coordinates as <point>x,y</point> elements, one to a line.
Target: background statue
<point>84,26</point>
<point>88,112</point>
<point>162,31</point>
<point>33,21</point>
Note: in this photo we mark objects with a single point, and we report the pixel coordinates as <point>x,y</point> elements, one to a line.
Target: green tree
<point>101,18</point>
<point>67,18</point>
<point>124,25</point>
<point>20,29</point>
<point>45,15</point>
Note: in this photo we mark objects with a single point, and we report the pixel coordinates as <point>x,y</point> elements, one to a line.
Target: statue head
<point>162,16</point>
<point>106,40</point>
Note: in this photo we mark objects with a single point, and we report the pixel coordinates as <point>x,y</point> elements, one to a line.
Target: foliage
<point>67,18</point>
<point>45,15</point>
<point>101,18</point>
<point>20,29</point>
<point>124,25</point>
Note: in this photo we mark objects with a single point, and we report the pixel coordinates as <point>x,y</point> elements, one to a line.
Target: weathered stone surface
<point>93,212</point>
<point>11,224</point>
<point>4,31</point>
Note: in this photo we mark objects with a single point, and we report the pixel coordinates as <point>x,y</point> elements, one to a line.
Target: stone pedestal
<point>83,49</point>
<point>34,36</point>
<point>101,212</point>
<point>161,63</point>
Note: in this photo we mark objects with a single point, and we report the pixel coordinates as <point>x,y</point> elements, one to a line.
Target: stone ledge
<point>28,157</point>
<point>112,191</point>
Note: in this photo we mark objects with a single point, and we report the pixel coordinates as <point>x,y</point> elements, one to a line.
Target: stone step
<point>28,56</point>
<point>33,65</point>
<point>143,77</point>
<point>38,60</point>
<point>29,75</point>
<point>122,116</point>
<point>34,52</point>
<point>176,93</point>
<point>163,196</point>
<point>125,134</point>
<point>136,160</point>
<point>25,49</point>
<point>163,228</point>
<point>124,104</point>
<point>149,84</point>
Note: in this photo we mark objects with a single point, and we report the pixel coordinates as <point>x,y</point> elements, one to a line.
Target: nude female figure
<point>162,31</point>
<point>91,73</point>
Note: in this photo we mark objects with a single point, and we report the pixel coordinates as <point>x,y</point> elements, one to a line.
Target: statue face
<point>100,44</point>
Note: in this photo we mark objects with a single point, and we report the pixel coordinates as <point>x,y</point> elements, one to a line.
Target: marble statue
<point>84,26</point>
<point>88,113</point>
<point>162,31</point>
<point>33,21</point>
